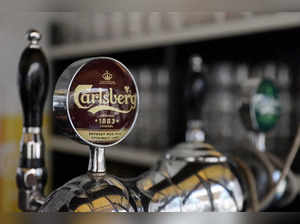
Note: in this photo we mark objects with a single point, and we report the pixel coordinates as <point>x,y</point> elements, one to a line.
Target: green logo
<point>265,106</point>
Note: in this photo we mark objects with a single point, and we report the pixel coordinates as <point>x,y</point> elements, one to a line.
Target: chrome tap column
<point>33,80</point>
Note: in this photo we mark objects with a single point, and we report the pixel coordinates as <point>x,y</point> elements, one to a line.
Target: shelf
<point>256,24</point>
<point>126,154</point>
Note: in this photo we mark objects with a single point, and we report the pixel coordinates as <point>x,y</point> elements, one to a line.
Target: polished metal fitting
<point>31,183</point>
<point>97,160</point>
<point>34,37</point>
<point>31,173</point>
<point>32,144</point>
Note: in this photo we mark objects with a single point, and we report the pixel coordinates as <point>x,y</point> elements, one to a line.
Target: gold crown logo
<point>107,76</point>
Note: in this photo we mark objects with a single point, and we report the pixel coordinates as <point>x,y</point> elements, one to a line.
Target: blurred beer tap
<point>193,176</point>
<point>260,107</point>
<point>195,92</point>
<point>260,112</point>
<point>33,82</point>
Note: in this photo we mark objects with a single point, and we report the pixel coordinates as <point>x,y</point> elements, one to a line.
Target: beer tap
<point>96,103</point>
<point>33,82</point>
<point>260,108</point>
<point>193,176</point>
<point>259,113</point>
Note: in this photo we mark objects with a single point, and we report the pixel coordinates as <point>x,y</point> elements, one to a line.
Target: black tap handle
<point>33,80</point>
<point>196,88</point>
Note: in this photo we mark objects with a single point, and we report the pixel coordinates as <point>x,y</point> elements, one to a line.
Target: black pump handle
<point>33,81</point>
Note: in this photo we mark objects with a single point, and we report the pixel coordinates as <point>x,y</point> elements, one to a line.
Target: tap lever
<point>33,80</point>
<point>33,83</point>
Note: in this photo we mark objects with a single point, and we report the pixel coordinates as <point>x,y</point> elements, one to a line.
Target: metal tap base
<point>31,173</point>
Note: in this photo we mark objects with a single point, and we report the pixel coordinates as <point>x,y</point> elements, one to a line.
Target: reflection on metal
<point>90,193</point>
<point>31,182</point>
<point>192,177</point>
<point>259,171</point>
<point>97,160</point>
<point>31,173</point>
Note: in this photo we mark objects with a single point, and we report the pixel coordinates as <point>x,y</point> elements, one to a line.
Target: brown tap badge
<point>96,102</point>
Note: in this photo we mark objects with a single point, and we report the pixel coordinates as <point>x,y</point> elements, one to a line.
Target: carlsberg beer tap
<point>96,103</point>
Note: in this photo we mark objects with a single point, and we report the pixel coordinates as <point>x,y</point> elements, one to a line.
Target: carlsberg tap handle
<point>33,80</point>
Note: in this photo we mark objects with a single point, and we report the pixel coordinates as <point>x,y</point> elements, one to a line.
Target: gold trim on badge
<point>104,107</point>
<point>102,136</point>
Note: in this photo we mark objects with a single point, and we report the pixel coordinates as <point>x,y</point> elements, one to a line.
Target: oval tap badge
<point>103,102</point>
<point>265,106</point>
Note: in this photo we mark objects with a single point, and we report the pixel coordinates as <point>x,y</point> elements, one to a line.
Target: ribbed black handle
<point>33,81</point>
